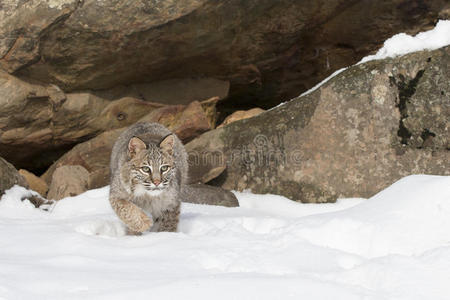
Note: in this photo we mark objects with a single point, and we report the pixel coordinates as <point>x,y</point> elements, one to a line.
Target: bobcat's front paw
<point>135,219</point>
<point>140,223</point>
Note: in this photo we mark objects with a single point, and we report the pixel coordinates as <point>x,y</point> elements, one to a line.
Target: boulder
<point>35,183</point>
<point>26,111</point>
<point>186,121</point>
<point>9,176</point>
<point>68,181</point>
<point>268,50</point>
<point>359,132</point>
<point>240,115</point>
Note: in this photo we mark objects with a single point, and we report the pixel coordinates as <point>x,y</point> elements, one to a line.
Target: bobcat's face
<point>152,166</point>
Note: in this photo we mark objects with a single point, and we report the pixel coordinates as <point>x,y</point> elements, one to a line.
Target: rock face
<point>9,176</point>
<point>267,50</point>
<point>362,130</point>
<point>40,122</point>
<point>68,181</point>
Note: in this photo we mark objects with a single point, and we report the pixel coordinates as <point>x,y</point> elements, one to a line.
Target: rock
<point>44,122</point>
<point>206,194</point>
<point>208,176</point>
<point>172,91</point>
<point>359,132</point>
<point>210,108</point>
<point>9,176</point>
<point>68,181</point>
<point>424,103</point>
<point>26,111</point>
<point>268,51</point>
<point>22,26</point>
<point>206,157</point>
<point>240,115</point>
<point>42,119</point>
<point>186,121</point>
<point>35,183</point>
<point>93,155</point>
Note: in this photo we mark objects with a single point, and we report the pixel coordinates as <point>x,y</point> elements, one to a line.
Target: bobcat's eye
<point>145,169</point>
<point>164,168</point>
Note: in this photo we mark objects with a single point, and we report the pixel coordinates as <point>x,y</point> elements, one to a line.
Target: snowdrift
<point>395,245</point>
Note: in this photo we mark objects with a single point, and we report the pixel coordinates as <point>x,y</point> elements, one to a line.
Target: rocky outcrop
<point>74,74</point>
<point>362,130</point>
<point>186,121</point>
<point>267,50</point>
<point>68,181</point>
<point>38,123</point>
<point>9,176</point>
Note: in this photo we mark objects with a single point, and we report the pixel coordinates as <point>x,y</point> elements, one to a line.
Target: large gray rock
<point>9,176</point>
<point>268,50</point>
<point>362,130</point>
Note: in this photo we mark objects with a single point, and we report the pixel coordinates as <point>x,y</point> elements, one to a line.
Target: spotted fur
<point>148,168</point>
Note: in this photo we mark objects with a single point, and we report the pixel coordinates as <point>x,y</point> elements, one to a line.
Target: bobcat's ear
<point>167,143</point>
<point>135,145</point>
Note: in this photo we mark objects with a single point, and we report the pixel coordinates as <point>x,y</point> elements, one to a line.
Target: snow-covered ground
<point>395,245</point>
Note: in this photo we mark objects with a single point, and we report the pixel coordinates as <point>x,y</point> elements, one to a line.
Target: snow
<point>395,245</point>
<point>323,82</point>
<point>401,44</point>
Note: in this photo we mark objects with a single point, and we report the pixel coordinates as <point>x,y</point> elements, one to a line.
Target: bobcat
<point>148,167</point>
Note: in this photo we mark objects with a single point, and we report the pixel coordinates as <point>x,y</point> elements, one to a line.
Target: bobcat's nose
<point>156,182</point>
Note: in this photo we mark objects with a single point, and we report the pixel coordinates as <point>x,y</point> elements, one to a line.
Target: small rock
<point>35,183</point>
<point>240,115</point>
<point>9,176</point>
<point>68,181</point>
